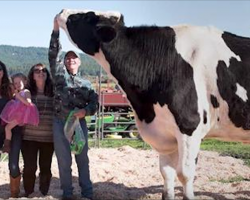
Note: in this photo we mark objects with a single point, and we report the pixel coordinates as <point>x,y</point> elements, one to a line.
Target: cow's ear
<point>106,33</point>
<point>91,17</point>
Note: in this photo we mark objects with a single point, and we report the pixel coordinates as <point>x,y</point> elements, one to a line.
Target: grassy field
<point>114,143</point>
<point>234,149</point>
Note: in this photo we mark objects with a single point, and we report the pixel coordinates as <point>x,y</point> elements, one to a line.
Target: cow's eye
<point>113,20</point>
<point>74,17</point>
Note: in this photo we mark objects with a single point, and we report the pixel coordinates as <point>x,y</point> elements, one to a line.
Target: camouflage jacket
<point>71,91</point>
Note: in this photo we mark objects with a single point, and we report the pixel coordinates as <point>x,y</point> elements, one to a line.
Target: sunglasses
<point>38,71</point>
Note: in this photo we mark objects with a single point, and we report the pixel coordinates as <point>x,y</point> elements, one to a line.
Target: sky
<point>30,23</point>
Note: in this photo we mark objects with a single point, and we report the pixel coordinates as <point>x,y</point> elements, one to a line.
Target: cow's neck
<point>148,77</point>
<point>132,54</point>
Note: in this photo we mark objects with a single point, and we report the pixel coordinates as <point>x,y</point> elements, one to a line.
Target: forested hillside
<point>20,59</point>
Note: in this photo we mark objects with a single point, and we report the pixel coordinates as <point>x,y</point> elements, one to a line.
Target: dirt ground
<point>127,173</point>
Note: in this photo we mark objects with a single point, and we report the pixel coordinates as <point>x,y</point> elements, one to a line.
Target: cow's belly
<point>222,127</point>
<point>161,132</point>
<point>228,132</point>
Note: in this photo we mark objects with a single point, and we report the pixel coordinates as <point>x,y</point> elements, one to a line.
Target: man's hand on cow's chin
<point>56,25</point>
<point>80,113</point>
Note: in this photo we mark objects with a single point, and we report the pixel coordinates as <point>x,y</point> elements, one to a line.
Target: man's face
<point>72,62</point>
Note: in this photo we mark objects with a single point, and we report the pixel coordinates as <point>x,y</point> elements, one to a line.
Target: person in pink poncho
<point>19,111</point>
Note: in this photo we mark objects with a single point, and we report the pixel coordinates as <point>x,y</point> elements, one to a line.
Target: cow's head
<point>87,29</point>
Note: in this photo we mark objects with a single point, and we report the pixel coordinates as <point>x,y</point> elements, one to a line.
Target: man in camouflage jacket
<point>72,92</point>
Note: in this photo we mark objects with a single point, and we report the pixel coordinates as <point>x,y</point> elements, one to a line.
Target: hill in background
<point>21,59</point>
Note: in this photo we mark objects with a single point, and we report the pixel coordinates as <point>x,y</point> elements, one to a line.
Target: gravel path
<point>127,173</point>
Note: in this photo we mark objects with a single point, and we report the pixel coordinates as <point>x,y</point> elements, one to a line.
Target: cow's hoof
<point>166,196</point>
<point>186,198</point>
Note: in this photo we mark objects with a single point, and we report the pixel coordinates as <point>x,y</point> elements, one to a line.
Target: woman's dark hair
<point>48,90</point>
<point>5,87</point>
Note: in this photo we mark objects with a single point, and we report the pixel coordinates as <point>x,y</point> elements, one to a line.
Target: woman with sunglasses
<point>38,140</point>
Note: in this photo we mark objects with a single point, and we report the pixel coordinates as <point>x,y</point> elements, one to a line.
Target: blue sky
<point>29,23</point>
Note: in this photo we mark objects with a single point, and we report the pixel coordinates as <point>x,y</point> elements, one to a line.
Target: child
<point>19,111</point>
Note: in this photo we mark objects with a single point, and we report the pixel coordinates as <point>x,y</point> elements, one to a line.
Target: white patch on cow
<point>161,132</point>
<point>62,19</point>
<point>101,60</point>
<point>241,92</point>
<point>168,165</point>
<point>202,46</point>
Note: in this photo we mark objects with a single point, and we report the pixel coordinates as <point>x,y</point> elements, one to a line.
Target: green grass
<point>115,143</point>
<point>3,157</point>
<point>234,179</point>
<point>234,149</point>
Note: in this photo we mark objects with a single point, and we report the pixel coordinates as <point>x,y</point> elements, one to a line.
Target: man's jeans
<point>64,159</point>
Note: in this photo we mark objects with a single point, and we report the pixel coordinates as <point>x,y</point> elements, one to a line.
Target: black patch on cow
<point>149,69</point>
<point>218,119</point>
<point>237,72</point>
<point>239,45</point>
<point>214,101</point>
<point>81,28</point>
<point>196,160</point>
<point>204,117</point>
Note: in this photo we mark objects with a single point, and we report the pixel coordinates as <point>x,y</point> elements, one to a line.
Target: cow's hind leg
<point>189,147</point>
<point>168,164</point>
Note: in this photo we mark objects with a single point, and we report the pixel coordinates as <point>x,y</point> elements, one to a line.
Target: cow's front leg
<point>189,147</point>
<point>168,164</point>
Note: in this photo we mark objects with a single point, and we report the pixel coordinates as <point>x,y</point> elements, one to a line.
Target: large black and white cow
<point>184,83</point>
